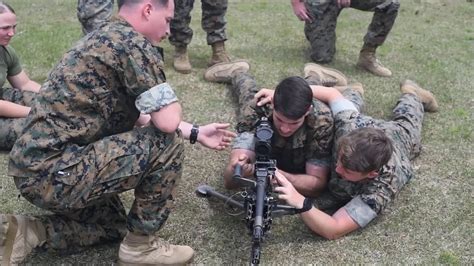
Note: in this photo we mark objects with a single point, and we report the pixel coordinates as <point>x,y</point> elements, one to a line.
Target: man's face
<point>7,27</point>
<point>158,27</point>
<point>349,175</point>
<point>353,176</point>
<point>285,126</point>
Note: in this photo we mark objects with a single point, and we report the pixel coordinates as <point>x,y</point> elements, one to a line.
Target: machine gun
<point>258,201</point>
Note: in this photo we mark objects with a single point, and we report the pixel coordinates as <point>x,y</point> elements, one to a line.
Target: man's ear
<point>146,10</point>
<point>372,174</point>
<point>309,110</point>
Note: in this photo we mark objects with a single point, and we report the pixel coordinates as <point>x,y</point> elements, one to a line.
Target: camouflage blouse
<point>366,199</point>
<point>311,143</point>
<point>89,95</point>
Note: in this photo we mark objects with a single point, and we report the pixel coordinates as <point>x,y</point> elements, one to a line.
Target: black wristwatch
<point>307,205</point>
<point>194,134</point>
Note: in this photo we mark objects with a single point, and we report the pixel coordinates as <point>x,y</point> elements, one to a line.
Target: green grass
<point>432,42</point>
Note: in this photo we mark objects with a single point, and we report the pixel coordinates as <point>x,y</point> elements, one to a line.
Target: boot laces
<point>157,242</point>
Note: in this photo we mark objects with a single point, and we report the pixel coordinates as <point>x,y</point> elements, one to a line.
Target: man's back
<point>90,94</point>
<point>392,177</point>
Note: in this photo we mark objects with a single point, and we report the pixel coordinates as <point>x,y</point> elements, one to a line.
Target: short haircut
<point>121,3</point>
<point>4,8</point>
<point>364,150</point>
<point>292,97</point>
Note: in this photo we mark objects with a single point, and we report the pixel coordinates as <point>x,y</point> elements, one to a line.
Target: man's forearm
<point>325,94</point>
<point>307,185</point>
<point>13,110</point>
<point>330,227</point>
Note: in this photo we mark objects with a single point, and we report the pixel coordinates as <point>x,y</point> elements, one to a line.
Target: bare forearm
<point>307,185</point>
<point>325,94</point>
<point>13,110</point>
<point>321,223</point>
<point>185,128</point>
<point>32,86</point>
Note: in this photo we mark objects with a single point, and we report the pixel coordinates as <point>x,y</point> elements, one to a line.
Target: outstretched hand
<point>300,10</point>
<point>287,191</point>
<point>264,96</point>
<point>215,136</point>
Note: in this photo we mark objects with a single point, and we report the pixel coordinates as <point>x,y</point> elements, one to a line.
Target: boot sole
<point>183,71</point>
<point>366,69</point>
<point>211,78</point>
<point>122,263</point>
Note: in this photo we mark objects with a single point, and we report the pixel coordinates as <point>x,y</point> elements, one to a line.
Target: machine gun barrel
<point>260,188</point>
<point>257,199</point>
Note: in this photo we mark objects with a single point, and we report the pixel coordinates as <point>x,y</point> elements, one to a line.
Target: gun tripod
<point>257,201</point>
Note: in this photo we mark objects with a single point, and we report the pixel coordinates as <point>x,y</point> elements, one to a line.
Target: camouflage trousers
<point>404,129</point>
<point>405,125</point>
<point>321,32</point>
<point>84,196</point>
<point>93,14</point>
<point>10,128</point>
<point>244,88</point>
<point>213,21</point>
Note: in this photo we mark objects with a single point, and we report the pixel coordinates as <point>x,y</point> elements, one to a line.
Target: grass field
<point>432,42</point>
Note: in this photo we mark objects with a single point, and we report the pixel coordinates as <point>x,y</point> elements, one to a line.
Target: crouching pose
<point>80,149</point>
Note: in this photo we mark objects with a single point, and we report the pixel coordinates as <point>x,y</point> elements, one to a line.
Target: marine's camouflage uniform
<point>94,14</point>
<point>10,128</point>
<point>213,21</point>
<point>80,148</point>
<point>365,200</point>
<point>321,32</point>
<point>311,143</point>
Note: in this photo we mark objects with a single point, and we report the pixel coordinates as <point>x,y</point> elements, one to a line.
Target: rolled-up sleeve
<point>342,105</point>
<point>360,212</point>
<point>155,98</point>
<point>244,140</point>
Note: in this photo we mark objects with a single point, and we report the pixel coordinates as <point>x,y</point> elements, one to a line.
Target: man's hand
<point>343,3</point>
<point>246,163</point>
<point>264,96</point>
<point>288,192</point>
<point>215,136</point>
<point>300,11</point>
<point>143,120</point>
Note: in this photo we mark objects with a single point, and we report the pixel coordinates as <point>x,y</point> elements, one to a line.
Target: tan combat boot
<point>138,249</point>
<point>223,72</point>
<point>427,98</point>
<point>354,86</point>
<point>19,235</point>
<point>369,62</point>
<point>328,76</point>
<point>219,55</point>
<point>181,60</point>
